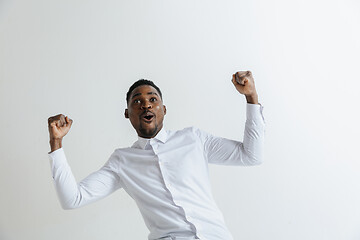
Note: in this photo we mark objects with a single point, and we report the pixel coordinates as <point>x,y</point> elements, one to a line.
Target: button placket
<point>163,172</point>
<point>168,185</point>
<point>161,166</point>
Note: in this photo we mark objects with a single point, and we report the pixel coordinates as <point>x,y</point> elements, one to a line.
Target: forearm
<point>254,135</point>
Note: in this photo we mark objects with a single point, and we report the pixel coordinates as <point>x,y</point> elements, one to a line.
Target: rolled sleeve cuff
<point>254,112</point>
<point>57,157</point>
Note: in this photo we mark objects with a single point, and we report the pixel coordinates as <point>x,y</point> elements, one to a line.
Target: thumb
<point>68,121</point>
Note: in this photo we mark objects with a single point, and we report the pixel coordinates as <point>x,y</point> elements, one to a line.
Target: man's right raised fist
<point>59,126</point>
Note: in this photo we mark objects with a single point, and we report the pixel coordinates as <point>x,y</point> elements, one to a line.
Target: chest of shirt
<point>179,163</point>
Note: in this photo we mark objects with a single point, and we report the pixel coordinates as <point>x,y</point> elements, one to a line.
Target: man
<point>165,172</point>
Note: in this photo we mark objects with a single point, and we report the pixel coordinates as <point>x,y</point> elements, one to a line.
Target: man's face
<point>146,111</point>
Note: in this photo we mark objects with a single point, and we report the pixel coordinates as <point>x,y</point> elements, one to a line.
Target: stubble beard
<point>148,133</point>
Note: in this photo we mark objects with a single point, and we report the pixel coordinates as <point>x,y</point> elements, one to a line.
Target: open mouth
<point>148,116</point>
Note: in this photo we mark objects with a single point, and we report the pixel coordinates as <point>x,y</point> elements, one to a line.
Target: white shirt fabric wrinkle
<point>168,177</point>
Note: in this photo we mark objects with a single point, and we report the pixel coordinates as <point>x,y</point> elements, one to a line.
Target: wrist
<point>252,98</point>
<point>55,143</point>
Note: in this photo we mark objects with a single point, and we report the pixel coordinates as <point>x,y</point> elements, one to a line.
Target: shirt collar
<point>143,142</point>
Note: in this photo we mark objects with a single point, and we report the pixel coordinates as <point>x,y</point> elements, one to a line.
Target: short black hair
<point>140,83</point>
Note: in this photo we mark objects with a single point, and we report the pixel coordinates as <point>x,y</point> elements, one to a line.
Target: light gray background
<point>80,57</point>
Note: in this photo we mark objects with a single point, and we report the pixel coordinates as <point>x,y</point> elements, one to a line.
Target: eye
<point>136,101</point>
<point>153,99</point>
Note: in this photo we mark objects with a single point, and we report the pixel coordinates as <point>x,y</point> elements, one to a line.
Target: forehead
<point>144,90</point>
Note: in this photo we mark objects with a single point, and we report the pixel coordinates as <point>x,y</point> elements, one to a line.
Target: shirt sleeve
<point>71,194</point>
<point>224,151</point>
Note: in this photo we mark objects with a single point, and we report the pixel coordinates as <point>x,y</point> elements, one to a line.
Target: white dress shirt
<point>168,177</point>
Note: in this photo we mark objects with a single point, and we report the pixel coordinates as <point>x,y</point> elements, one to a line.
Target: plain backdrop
<point>80,57</point>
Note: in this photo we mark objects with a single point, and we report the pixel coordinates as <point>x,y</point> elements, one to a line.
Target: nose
<point>146,105</point>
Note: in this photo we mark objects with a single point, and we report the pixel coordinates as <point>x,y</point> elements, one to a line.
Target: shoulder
<point>187,130</point>
<point>193,132</point>
<point>118,154</point>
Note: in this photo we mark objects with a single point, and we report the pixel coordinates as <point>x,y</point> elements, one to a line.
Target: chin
<point>148,133</point>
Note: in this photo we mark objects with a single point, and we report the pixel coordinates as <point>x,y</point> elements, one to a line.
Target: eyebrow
<point>149,93</point>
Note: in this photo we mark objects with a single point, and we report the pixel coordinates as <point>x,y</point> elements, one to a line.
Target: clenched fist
<point>59,126</point>
<point>244,84</point>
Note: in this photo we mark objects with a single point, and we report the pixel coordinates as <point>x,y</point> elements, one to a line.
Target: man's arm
<point>72,194</point>
<point>250,151</point>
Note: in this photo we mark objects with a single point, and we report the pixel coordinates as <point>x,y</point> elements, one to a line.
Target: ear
<point>164,109</point>
<point>126,113</point>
